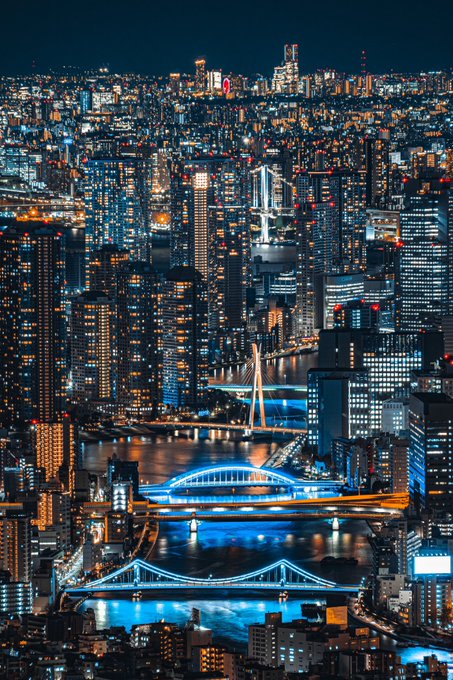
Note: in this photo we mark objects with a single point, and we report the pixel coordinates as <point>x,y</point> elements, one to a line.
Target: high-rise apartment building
<point>93,348</point>
<point>137,339</point>
<point>200,75</point>
<point>32,323</point>
<point>104,266</point>
<point>112,204</point>
<point>184,318</point>
<point>292,68</point>
<point>15,546</point>
<point>330,223</point>
<point>55,448</point>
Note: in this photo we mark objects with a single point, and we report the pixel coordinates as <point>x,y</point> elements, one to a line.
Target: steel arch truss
<point>140,575</point>
<point>231,476</point>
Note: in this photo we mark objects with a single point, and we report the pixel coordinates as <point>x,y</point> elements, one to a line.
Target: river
<point>227,549</point>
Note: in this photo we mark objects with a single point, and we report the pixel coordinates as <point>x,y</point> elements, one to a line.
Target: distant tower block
<point>257,386</point>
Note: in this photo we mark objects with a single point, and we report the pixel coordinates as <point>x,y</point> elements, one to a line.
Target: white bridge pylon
<point>142,575</point>
<point>257,388</point>
<point>267,197</point>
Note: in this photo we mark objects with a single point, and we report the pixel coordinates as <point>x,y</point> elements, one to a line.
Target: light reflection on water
<point>228,618</point>
<point>229,548</point>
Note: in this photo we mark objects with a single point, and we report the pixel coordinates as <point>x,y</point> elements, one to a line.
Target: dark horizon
<point>153,39</point>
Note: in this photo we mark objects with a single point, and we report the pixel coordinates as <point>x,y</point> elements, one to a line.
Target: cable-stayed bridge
<point>141,575</point>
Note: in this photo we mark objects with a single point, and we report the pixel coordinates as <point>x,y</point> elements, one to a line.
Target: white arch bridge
<point>233,476</point>
<point>140,575</point>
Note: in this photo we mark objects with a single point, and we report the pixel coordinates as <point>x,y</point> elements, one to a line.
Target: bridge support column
<point>136,574</point>
<point>193,525</point>
<point>335,524</point>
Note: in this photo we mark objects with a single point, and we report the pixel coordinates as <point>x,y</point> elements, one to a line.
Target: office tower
<point>15,546</point>
<point>292,68</point>
<point>431,448</point>
<point>32,324</point>
<point>137,339</point>
<point>338,290</point>
<point>184,314</point>
<point>112,204</point>
<point>200,75</point>
<point>357,314</point>
<point>55,447</point>
<point>337,406</point>
<point>377,166</point>
<point>424,272</point>
<point>93,348</point>
<point>389,359</point>
<point>104,266</point>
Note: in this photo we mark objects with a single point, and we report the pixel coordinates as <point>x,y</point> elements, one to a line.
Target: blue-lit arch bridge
<point>233,477</point>
<point>141,575</point>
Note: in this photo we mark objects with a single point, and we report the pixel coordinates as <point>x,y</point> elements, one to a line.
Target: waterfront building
<point>184,314</point>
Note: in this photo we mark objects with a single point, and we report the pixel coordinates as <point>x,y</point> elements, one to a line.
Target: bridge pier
<point>193,525</point>
<point>335,524</point>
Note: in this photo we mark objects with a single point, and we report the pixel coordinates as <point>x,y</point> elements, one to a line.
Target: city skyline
<point>238,38</point>
<point>226,358</point>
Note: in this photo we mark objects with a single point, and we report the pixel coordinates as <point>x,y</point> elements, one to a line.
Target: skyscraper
<point>431,448</point>
<point>229,248</point>
<point>184,314</point>
<point>137,339</point>
<point>113,208</point>
<point>55,449</point>
<point>93,349</point>
<point>424,278</point>
<point>104,266</point>
<point>15,546</point>
<point>198,225</point>
<point>389,359</point>
<point>32,324</point>
<point>292,68</point>
<point>330,221</point>
<point>200,75</point>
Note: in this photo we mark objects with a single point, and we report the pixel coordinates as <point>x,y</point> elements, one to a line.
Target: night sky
<point>240,36</point>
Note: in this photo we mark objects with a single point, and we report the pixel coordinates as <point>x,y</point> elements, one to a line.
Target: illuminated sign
<point>436,565</point>
<point>226,86</point>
